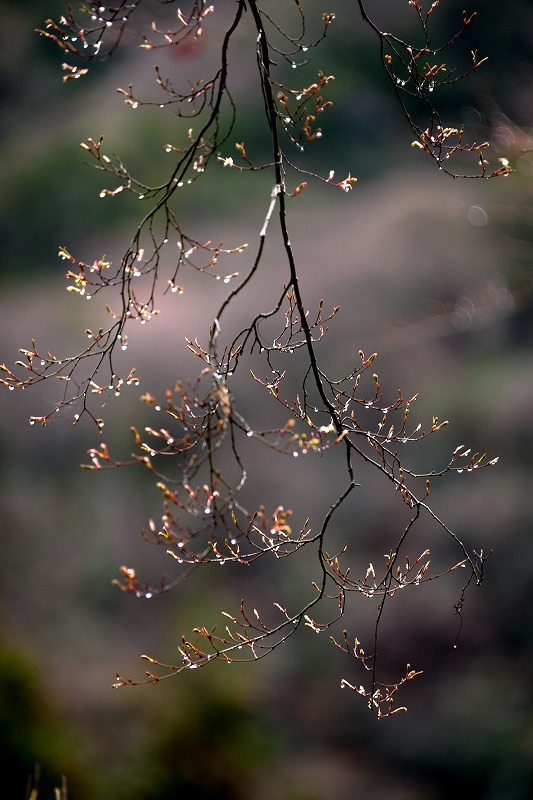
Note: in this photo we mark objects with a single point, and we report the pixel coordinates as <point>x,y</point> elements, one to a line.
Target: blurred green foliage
<point>33,733</point>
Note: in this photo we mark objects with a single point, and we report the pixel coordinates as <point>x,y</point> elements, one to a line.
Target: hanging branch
<point>205,518</point>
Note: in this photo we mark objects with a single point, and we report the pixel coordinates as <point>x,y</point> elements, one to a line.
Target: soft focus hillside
<point>433,274</point>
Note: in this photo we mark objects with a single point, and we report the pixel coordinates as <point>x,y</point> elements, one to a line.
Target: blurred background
<point>433,274</point>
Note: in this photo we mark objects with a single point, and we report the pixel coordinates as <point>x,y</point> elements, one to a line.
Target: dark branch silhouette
<point>196,455</point>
